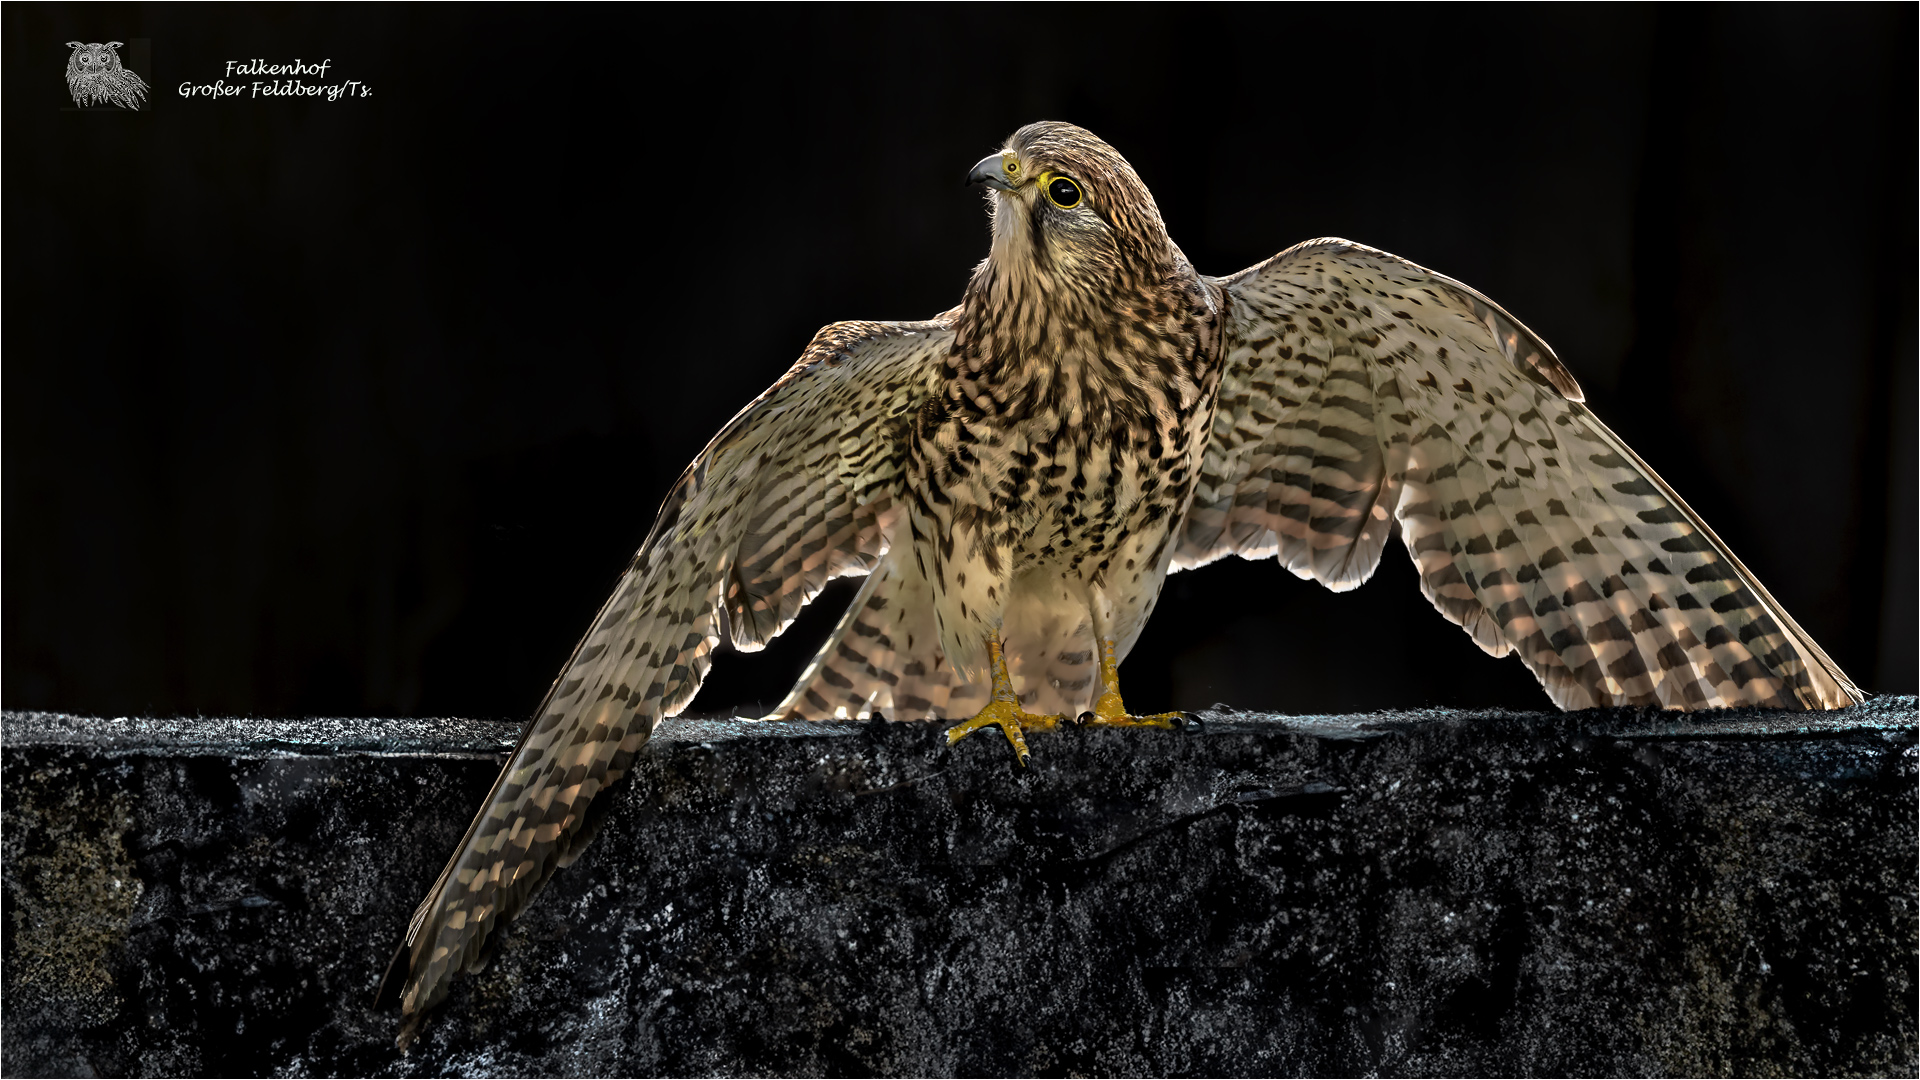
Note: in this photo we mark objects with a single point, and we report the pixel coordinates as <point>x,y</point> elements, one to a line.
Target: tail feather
<point>882,659</point>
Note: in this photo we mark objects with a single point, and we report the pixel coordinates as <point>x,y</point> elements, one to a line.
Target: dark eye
<point>1064,193</point>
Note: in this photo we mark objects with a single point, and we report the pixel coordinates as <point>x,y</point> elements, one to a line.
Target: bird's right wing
<point>801,487</point>
<point>1364,395</point>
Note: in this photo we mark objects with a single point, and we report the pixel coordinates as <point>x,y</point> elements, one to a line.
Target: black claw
<point>1084,719</point>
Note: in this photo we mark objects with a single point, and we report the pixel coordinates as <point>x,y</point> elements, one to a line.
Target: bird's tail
<point>883,659</point>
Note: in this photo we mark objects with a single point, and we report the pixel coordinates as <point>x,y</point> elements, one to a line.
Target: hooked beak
<point>991,171</point>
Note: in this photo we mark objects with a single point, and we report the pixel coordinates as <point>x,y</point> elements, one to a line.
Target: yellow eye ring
<point>1061,191</point>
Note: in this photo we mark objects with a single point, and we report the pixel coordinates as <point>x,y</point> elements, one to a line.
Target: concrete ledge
<point>1408,893</point>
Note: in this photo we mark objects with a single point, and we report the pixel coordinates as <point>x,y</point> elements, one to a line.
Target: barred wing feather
<point>1364,394</point>
<point>796,490</point>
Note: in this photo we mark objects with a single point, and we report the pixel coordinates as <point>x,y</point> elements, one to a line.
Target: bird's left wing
<point>1364,395</point>
<point>801,487</point>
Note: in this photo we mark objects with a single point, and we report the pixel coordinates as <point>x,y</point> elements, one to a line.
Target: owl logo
<point>95,76</point>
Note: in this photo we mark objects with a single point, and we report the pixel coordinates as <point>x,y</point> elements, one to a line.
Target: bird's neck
<point>1024,308</point>
<point>1026,336</point>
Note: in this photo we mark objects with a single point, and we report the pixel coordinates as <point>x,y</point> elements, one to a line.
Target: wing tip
<point>387,995</point>
<point>392,993</point>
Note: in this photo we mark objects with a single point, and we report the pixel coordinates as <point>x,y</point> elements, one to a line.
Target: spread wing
<point>796,490</point>
<point>1364,394</point>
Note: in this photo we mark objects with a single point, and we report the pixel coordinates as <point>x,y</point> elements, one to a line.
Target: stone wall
<point>1411,893</point>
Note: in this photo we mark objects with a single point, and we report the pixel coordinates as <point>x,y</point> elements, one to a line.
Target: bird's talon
<point>1011,719</point>
<point>1109,710</point>
<point>1164,721</point>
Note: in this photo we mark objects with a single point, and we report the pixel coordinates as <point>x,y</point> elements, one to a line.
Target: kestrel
<point>1016,477</point>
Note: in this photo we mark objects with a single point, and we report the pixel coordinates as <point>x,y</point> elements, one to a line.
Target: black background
<point>360,407</point>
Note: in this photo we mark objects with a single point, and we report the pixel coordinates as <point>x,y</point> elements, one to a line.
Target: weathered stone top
<point>249,737</point>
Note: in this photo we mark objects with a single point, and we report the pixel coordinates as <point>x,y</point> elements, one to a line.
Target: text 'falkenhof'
<point>293,86</point>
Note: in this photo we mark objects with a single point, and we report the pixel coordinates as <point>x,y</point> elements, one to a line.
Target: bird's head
<point>1069,211</point>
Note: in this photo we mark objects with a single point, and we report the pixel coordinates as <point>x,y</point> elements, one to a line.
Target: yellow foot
<point>1109,711</point>
<point>1159,720</point>
<point>1008,717</point>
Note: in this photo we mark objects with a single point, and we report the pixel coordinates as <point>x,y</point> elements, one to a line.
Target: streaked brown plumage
<point>1026,468</point>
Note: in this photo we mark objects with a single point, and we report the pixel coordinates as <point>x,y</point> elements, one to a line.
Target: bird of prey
<point>1016,476</point>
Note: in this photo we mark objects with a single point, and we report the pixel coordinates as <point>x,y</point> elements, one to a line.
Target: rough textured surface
<point>1407,893</point>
